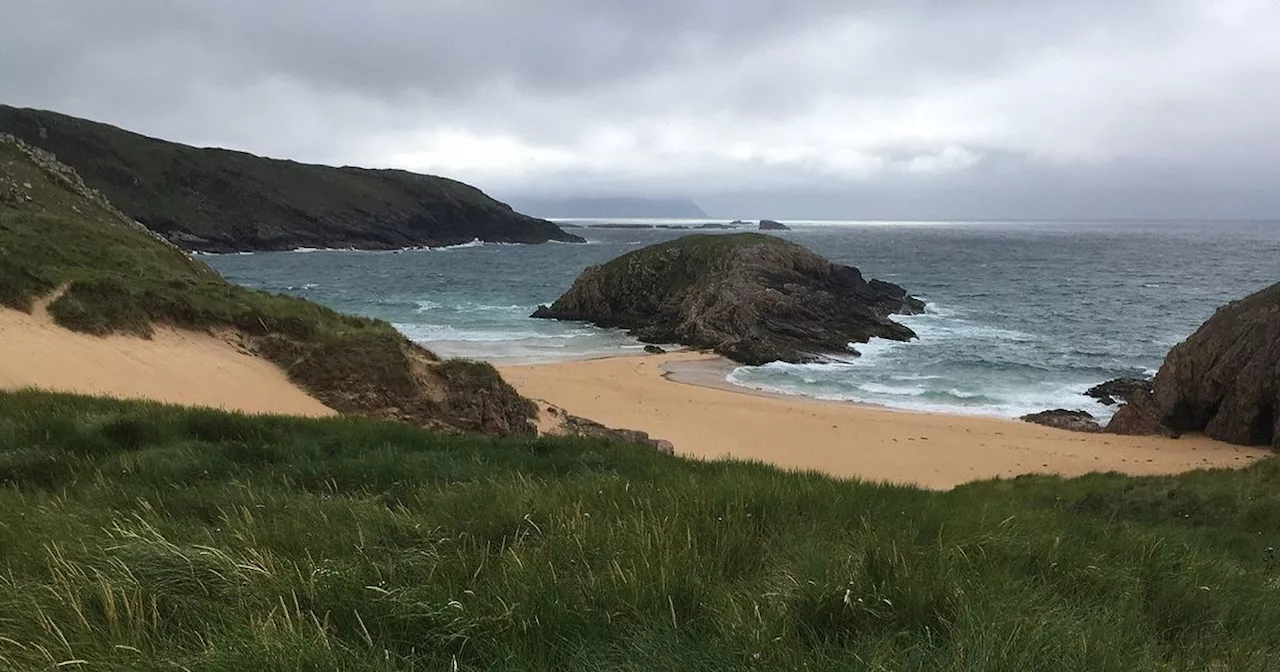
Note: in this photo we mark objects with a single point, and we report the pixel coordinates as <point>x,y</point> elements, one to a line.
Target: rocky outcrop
<point>1120,390</point>
<point>715,225</point>
<point>1140,417</point>
<point>770,225</point>
<point>216,200</point>
<point>1225,379</point>
<point>1061,418</point>
<point>654,350</point>
<point>555,421</point>
<point>750,297</point>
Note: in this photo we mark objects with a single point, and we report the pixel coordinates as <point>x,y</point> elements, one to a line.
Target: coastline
<point>677,397</point>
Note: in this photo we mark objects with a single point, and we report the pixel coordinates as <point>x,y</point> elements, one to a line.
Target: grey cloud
<point>821,103</point>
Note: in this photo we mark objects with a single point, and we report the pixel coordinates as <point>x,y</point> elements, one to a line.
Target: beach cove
<point>677,397</point>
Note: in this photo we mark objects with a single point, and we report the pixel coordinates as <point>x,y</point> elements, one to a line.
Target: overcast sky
<point>782,108</point>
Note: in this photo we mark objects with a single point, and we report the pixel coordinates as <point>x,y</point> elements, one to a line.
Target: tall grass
<point>137,536</point>
<point>114,277</point>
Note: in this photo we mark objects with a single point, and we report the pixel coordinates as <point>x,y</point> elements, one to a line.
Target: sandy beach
<point>180,367</point>
<point>681,397</point>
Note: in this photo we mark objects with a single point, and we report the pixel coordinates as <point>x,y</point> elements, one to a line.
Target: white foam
<point>425,305</point>
<point>460,246</point>
<point>429,333</point>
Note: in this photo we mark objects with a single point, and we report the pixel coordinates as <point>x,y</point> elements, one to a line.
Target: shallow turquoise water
<point>1022,316</point>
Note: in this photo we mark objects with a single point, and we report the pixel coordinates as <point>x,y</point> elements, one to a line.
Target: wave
<point>460,246</point>
<point>427,305</point>
<point>428,333</point>
<point>989,399</point>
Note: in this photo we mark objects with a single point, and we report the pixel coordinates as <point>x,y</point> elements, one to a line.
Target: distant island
<point>218,200</point>
<point>610,207</point>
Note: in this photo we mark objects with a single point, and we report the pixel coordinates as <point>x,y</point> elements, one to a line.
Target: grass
<point>684,261</point>
<point>220,200</point>
<point>116,277</point>
<point>137,536</point>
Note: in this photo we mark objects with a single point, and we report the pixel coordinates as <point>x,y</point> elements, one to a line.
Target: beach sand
<point>179,367</point>
<point>696,412</point>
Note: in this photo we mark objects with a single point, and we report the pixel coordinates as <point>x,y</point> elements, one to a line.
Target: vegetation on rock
<point>748,296</point>
<point>217,200</point>
<point>108,274</point>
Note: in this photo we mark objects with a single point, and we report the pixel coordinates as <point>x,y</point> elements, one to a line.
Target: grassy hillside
<point>219,200</point>
<point>141,537</point>
<point>115,276</point>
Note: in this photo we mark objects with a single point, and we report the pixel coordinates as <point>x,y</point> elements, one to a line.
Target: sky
<point>845,109</point>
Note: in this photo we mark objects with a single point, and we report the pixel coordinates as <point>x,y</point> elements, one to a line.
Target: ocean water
<point>1021,316</point>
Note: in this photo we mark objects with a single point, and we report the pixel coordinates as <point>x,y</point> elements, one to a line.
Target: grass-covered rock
<point>107,274</point>
<point>751,297</point>
<point>135,536</point>
<point>218,200</point>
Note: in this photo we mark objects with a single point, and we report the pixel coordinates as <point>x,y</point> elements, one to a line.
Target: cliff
<point>217,200</point>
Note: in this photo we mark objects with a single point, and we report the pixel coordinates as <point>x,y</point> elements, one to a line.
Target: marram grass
<point>144,537</point>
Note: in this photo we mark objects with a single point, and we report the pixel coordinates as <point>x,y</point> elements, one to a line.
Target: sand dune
<point>174,366</point>
<point>931,450</point>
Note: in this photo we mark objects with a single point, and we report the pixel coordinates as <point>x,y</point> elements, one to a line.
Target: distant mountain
<point>217,200</point>
<point>611,208</point>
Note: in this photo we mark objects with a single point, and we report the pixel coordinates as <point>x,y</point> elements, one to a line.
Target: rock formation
<point>216,200</point>
<point>750,297</point>
<point>770,225</point>
<point>1061,418</point>
<point>1225,379</point>
<point>1120,390</point>
<point>555,421</point>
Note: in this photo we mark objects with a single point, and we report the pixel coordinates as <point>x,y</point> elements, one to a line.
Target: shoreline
<point>679,397</point>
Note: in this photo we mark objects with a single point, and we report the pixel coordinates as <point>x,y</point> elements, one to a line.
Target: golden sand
<point>180,367</point>
<point>703,419</point>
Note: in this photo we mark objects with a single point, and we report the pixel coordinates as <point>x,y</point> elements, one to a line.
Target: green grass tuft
<point>140,536</point>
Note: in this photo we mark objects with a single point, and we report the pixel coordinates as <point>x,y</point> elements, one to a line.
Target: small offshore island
<point>750,297</point>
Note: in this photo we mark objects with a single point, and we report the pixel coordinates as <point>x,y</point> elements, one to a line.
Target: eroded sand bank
<point>180,367</point>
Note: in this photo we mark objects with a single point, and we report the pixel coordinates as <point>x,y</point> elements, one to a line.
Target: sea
<point>1021,316</point>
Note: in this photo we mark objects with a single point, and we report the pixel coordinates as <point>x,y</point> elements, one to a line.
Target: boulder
<point>770,225</point>
<point>654,350</point>
<point>1061,418</point>
<point>1225,379</point>
<point>1120,390</point>
<point>750,297</point>
<point>559,422</point>
<point>1139,417</point>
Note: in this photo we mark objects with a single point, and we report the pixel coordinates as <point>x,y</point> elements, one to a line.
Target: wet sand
<point>682,397</point>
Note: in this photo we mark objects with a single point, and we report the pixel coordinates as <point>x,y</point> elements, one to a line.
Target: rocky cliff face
<point>1225,379</point>
<point>750,297</point>
<point>215,200</point>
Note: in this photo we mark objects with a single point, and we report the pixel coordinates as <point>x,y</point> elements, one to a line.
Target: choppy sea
<point>1022,316</point>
